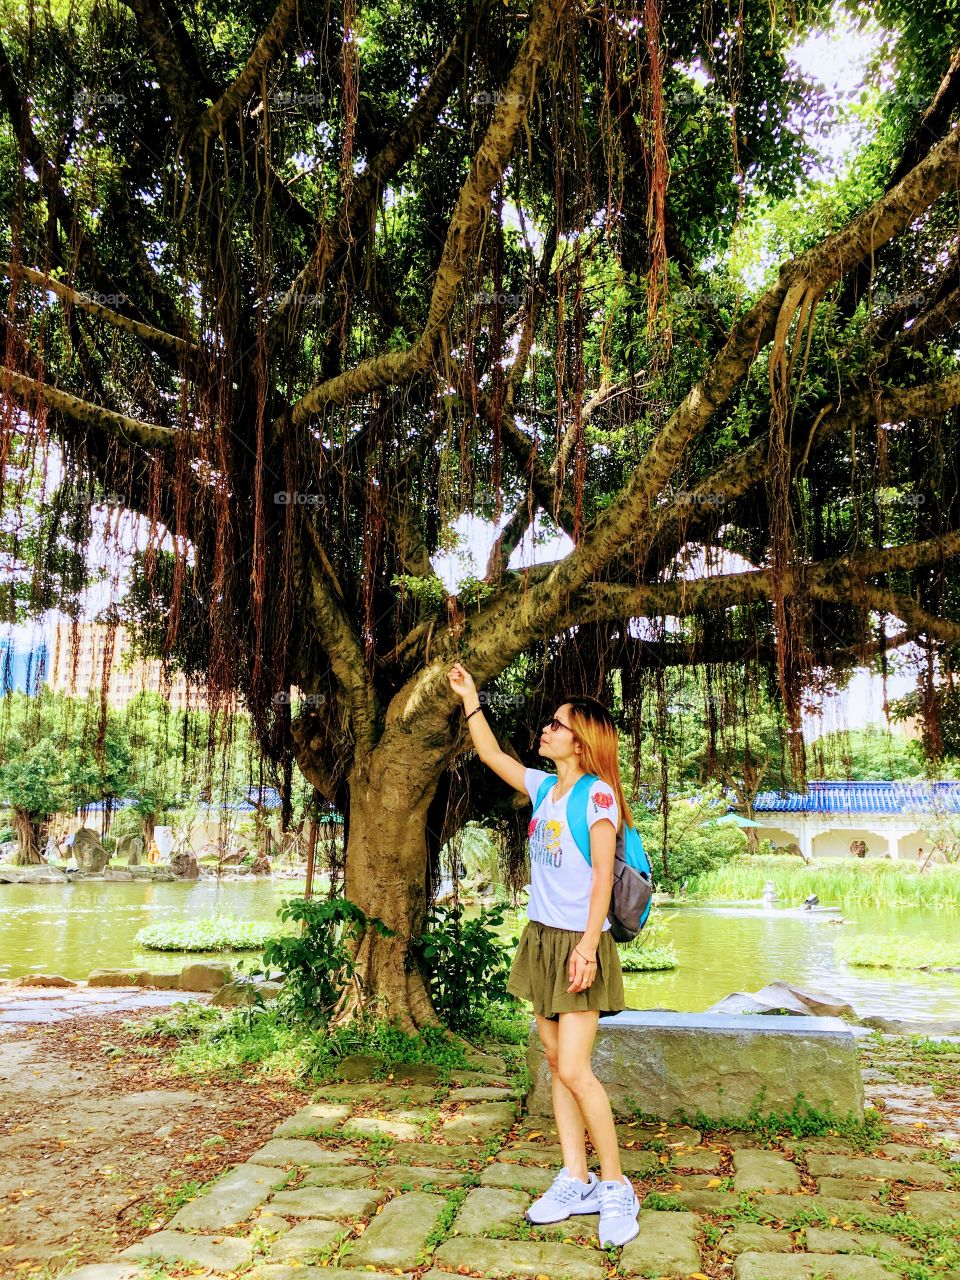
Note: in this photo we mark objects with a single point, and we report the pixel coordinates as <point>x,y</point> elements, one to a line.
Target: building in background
<point>79,671</point>
<point>23,662</point>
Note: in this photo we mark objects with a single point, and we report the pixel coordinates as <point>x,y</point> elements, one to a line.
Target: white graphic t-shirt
<point>560,876</point>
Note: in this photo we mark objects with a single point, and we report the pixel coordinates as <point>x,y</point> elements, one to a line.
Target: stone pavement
<point>26,1006</point>
<point>420,1179</point>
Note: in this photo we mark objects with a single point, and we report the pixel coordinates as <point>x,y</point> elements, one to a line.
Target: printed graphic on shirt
<point>601,801</point>
<point>545,841</point>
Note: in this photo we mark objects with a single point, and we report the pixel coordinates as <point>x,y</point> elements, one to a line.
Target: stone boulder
<point>783,997</point>
<point>207,975</point>
<point>261,866</point>
<point>119,978</point>
<point>184,865</point>
<point>239,992</point>
<point>91,856</point>
<point>37,874</point>
<point>668,1064</point>
<point>42,980</point>
<point>131,848</point>
<point>8,850</point>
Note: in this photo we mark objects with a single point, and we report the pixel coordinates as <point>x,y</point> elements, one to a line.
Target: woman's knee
<point>578,1078</point>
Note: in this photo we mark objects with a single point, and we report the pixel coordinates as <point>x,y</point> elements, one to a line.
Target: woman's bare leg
<point>570,1127</point>
<point>575,1037</point>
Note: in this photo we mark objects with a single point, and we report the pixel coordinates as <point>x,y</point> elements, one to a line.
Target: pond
<point>73,928</point>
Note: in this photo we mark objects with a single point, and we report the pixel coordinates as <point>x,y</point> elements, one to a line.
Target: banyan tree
<point>300,287</point>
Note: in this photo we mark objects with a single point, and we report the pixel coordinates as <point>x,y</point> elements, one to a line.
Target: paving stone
<point>489,1062</point>
<point>904,1151</point>
<point>219,1253</point>
<point>764,1171</point>
<point>933,1206</point>
<point>482,1093</point>
<point>401,1130</point>
<point>820,1240</point>
<point>850,1188</point>
<point>293,1271</point>
<point>327,1202</point>
<point>521,1258</point>
<point>338,1175</point>
<point>548,1155</point>
<point>786,1207</point>
<point>107,1271</point>
<point>486,1208</point>
<point>719,1202</point>
<point>271,1222</point>
<point>480,1078</point>
<point>359,1066</point>
<point>643,1163</point>
<point>312,1236</point>
<point>386,1096</point>
<point>666,1245</point>
<point>231,1199</point>
<point>481,1120</point>
<point>517,1175</point>
<point>310,1119</point>
<point>661,1133</point>
<point>398,1235</point>
<point>807,1266</point>
<point>417,1073</point>
<point>417,1176</point>
<point>699,1161</point>
<point>434,1153</point>
<point>867,1167</point>
<point>752,1237</point>
<point>288,1151</point>
<point>668,1181</point>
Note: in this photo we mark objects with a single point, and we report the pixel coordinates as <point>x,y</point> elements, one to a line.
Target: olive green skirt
<point>539,973</point>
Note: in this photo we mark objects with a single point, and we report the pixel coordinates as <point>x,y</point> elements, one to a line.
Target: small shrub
<point>467,962</point>
<point>315,962</point>
<point>218,933</point>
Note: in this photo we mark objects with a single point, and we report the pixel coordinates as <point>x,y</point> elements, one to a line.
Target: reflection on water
<point>71,929</point>
<point>723,950</point>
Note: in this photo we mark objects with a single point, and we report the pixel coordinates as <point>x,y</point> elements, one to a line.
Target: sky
<point>837,59</point>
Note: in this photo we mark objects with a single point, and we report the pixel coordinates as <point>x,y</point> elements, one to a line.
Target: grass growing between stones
<point>801,1121</point>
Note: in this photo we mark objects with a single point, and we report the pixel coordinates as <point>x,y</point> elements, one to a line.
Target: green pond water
<point>73,928</point>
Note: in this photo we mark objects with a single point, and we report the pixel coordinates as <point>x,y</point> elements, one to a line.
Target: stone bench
<point>666,1063</point>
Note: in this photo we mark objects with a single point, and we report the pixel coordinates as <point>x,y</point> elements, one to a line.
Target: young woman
<point>566,963</point>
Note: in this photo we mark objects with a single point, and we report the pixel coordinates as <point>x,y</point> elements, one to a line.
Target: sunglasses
<point>555,724</point>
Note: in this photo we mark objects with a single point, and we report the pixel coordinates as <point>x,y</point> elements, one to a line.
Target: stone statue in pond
<point>131,848</point>
<point>184,864</point>
<point>91,856</point>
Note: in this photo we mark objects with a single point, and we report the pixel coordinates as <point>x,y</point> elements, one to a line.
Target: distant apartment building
<point>76,669</point>
<point>22,665</point>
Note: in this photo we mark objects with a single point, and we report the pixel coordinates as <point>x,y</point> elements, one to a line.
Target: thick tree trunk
<point>148,822</point>
<point>386,873</point>
<point>28,839</point>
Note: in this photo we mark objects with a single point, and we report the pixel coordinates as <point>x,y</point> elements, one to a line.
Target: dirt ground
<point>92,1142</point>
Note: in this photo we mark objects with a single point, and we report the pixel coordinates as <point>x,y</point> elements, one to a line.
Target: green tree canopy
<point>301,288</point>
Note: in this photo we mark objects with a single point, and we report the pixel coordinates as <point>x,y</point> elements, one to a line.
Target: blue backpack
<point>632,878</point>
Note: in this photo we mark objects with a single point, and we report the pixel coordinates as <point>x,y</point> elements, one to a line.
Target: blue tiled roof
<point>863,797</point>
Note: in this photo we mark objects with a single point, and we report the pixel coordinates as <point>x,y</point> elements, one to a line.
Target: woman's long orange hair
<point>593,727</point>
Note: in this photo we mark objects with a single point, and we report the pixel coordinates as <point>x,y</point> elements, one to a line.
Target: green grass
<point>217,933</point>
<point>646,959</point>
<point>890,951</point>
<point>837,883</point>
<point>269,1044</point>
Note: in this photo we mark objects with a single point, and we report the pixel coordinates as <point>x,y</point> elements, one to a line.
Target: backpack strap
<point>577,813</point>
<point>544,790</point>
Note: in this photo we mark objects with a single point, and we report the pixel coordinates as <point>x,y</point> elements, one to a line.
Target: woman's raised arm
<point>484,740</point>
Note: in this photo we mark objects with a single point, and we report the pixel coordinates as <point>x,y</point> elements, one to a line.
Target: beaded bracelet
<point>473,712</point>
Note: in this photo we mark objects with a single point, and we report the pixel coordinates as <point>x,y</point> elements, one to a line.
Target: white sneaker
<point>619,1207</point>
<point>565,1197</point>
